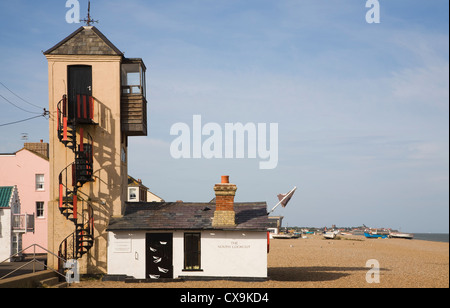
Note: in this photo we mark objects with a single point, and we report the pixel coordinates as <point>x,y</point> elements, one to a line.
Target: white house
<point>221,240</point>
<point>13,224</point>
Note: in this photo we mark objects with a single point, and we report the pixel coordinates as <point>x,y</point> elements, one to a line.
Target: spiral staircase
<point>74,205</point>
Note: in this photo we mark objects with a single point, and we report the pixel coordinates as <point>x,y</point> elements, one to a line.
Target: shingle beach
<point>318,263</point>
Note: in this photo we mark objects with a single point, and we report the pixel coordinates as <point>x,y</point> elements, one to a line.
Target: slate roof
<point>187,216</point>
<point>5,196</point>
<point>85,41</point>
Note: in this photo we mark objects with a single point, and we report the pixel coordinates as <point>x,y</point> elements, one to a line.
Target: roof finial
<point>88,20</point>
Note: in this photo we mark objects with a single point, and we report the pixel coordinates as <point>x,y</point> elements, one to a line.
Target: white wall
<point>126,254</point>
<point>5,234</point>
<point>223,254</point>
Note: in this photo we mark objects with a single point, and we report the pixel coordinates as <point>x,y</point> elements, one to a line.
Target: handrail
<point>23,223</point>
<point>34,260</point>
<point>82,107</point>
<point>61,113</point>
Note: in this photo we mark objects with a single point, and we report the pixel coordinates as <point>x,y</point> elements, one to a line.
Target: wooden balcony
<point>133,114</point>
<point>133,106</point>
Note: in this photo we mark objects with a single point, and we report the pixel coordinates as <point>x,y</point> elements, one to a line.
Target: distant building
<point>28,170</point>
<point>138,192</point>
<point>151,197</point>
<point>13,223</point>
<point>275,223</point>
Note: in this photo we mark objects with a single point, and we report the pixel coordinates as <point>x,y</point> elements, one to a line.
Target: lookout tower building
<point>96,101</point>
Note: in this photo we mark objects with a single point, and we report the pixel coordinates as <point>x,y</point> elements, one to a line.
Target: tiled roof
<point>5,196</point>
<point>133,182</point>
<point>187,216</point>
<point>85,41</point>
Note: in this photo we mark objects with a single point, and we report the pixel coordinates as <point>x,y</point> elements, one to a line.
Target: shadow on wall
<point>105,192</point>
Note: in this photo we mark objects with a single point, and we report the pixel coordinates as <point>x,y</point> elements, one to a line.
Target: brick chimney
<point>38,147</point>
<point>224,216</point>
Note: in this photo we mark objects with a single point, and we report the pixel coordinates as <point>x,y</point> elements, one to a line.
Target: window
<point>16,207</point>
<point>40,209</point>
<point>142,195</point>
<point>192,252</point>
<point>16,243</point>
<point>132,194</point>
<point>133,77</point>
<point>39,182</point>
<point>123,155</point>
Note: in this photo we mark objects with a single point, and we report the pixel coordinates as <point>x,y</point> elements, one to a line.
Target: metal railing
<point>23,223</point>
<point>34,261</point>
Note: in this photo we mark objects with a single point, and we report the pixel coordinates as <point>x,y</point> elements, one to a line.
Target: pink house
<point>29,170</point>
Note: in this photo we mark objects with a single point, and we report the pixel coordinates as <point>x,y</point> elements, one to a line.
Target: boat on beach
<point>370,235</point>
<point>408,236</point>
<point>330,234</point>
<point>374,233</point>
<point>285,236</point>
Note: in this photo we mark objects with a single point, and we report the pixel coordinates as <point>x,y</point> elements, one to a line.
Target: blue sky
<point>362,108</point>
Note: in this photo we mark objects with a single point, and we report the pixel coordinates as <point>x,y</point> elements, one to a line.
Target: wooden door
<point>159,255</point>
<point>79,91</point>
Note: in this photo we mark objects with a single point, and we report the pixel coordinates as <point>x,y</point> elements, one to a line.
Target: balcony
<point>133,114</point>
<point>133,105</point>
<point>23,223</point>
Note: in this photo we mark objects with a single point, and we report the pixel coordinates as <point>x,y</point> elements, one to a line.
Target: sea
<point>433,237</point>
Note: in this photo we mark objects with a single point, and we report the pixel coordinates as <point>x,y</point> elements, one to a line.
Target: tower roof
<point>86,40</point>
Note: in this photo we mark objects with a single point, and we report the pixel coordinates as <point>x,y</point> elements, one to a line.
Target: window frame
<point>191,254</point>
<point>133,194</point>
<point>38,210</point>
<point>39,183</point>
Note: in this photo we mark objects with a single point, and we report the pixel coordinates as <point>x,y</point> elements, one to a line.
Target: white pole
<point>295,188</point>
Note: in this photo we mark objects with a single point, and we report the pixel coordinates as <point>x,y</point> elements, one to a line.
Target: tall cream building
<point>96,101</point>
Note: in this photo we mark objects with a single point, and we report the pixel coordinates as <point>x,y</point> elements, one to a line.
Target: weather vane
<point>89,20</point>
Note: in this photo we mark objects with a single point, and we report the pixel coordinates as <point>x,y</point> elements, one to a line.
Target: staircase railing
<point>78,243</point>
<point>33,261</point>
<point>71,204</point>
<point>68,197</point>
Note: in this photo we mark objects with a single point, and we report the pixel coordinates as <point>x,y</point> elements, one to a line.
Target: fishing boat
<point>306,231</point>
<point>370,235</point>
<point>285,236</point>
<point>408,236</point>
<point>330,234</point>
<point>376,234</point>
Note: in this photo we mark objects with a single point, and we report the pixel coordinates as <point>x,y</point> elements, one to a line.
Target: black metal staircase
<point>73,204</point>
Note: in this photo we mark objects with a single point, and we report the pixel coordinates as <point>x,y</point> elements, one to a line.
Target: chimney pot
<point>225,179</point>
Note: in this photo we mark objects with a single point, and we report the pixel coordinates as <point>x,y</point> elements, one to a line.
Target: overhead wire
<point>20,121</point>
<point>44,114</point>
<point>32,112</point>
<point>24,100</point>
